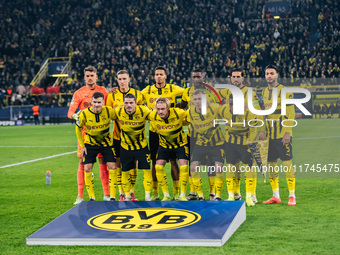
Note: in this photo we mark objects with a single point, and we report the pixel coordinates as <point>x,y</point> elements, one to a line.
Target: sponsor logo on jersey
<point>207,124</point>
<point>98,126</point>
<point>131,123</point>
<point>167,126</point>
<point>144,219</point>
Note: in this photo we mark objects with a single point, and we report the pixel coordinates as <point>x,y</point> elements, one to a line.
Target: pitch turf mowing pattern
<point>27,204</point>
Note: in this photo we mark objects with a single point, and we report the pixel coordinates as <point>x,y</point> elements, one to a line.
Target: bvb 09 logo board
<point>144,219</point>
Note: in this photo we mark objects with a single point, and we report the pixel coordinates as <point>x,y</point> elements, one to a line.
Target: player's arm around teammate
<point>168,123</point>
<point>150,94</point>
<point>134,147</point>
<point>96,120</point>
<point>209,143</point>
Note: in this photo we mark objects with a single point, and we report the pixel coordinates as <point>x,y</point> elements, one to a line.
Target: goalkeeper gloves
<point>76,116</point>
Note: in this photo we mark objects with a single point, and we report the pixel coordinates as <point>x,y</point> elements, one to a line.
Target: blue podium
<point>156,223</point>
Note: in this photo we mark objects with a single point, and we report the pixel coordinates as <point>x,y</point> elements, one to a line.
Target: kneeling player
<point>134,146</point>
<point>96,120</point>
<point>168,123</point>
<point>209,143</point>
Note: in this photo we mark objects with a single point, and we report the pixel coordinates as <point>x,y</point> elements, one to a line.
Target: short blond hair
<point>198,92</point>
<point>163,100</point>
<point>123,72</point>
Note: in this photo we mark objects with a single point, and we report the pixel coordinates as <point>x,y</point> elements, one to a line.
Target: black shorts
<point>278,150</point>
<point>92,151</point>
<point>178,153</point>
<point>154,144</point>
<point>191,144</point>
<point>236,152</point>
<point>213,153</point>
<point>128,158</point>
<point>116,146</point>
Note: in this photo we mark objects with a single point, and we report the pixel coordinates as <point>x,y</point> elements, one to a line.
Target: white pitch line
<point>34,160</point>
<point>313,138</point>
<point>28,146</point>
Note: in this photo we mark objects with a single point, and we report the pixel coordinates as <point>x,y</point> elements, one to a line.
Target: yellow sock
<point>219,184</point>
<point>237,185</point>
<point>237,179</point>
<point>249,186</point>
<point>147,181</point>
<point>89,184</point>
<point>133,178</point>
<point>250,179</point>
<point>230,180</point>
<point>192,187</point>
<point>212,180</point>
<point>176,186</point>
<point>196,180</point>
<point>184,176</point>
<point>155,188</point>
<point>230,186</point>
<point>290,175</point>
<point>113,182</point>
<point>274,178</point>
<point>291,185</point>
<point>119,179</point>
<point>161,177</point>
<point>126,182</point>
<point>254,187</point>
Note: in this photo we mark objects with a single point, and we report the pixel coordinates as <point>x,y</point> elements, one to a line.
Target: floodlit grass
<point>27,204</point>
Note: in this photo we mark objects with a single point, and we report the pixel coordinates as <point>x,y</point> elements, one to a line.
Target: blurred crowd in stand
<point>178,34</point>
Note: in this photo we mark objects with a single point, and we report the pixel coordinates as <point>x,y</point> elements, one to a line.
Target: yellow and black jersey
<point>237,129</point>
<point>97,127</point>
<point>170,130</point>
<point>187,97</point>
<point>225,93</point>
<point>211,96</point>
<point>117,99</point>
<point>132,127</point>
<point>170,91</point>
<point>203,126</point>
<point>274,128</point>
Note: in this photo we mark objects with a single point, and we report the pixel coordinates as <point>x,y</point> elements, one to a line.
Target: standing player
<point>197,77</point>
<point>209,142</point>
<point>280,137</point>
<point>114,100</point>
<point>168,123</point>
<point>237,79</point>
<point>82,100</point>
<point>134,146</point>
<point>96,121</point>
<point>237,132</point>
<point>150,94</point>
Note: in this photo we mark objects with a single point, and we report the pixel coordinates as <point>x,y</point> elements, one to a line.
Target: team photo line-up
<point>205,144</point>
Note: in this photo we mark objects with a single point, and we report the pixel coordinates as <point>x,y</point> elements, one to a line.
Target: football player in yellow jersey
<point>168,123</point>
<point>134,146</point>
<point>96,120</point>
<point>116,99</point>
<point>209,142</point>
<point>237,132</point>
<point>237,79</point>
<point>150,94</point>
<point>197,77</point>
<point>280,137</point>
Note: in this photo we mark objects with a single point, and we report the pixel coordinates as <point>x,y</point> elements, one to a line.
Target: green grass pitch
<point>27,204</point>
